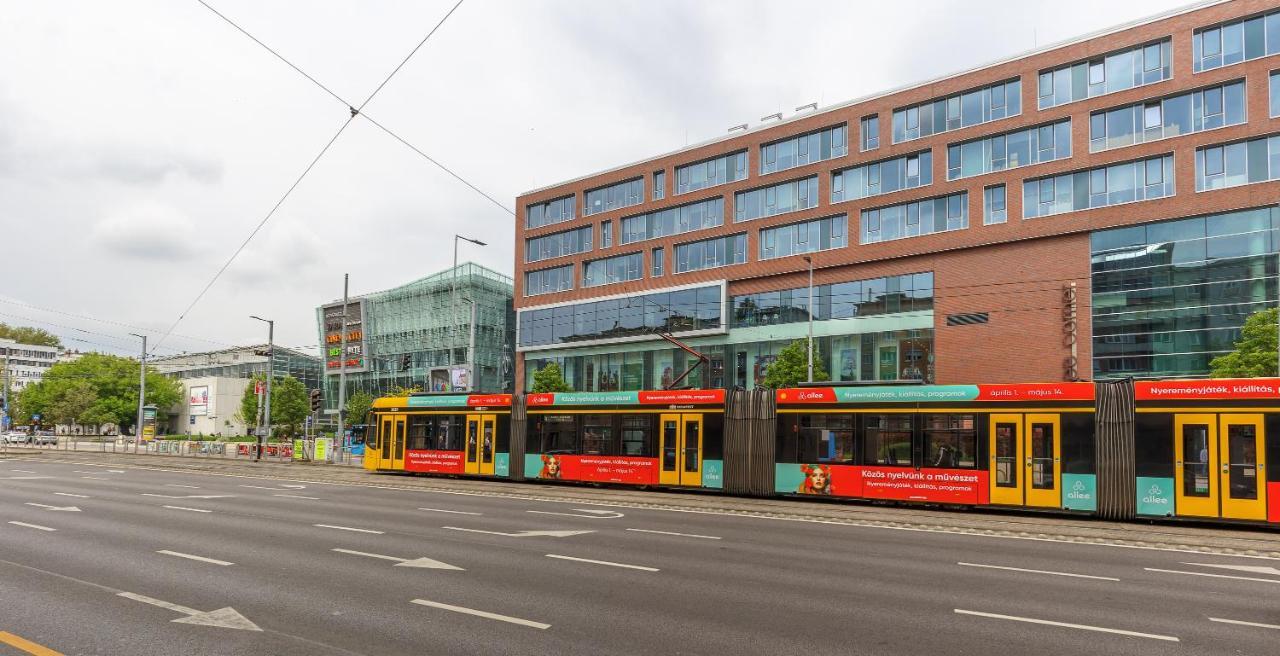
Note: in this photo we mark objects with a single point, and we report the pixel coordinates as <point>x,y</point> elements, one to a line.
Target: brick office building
<point>1102,207</point>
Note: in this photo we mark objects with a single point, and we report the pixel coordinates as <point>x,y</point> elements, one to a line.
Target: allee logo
<point>1154,496</point>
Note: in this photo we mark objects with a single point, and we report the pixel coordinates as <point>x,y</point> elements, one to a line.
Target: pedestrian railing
<point>275,452</point>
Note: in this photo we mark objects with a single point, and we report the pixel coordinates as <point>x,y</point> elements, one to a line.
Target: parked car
<point>46,438</point>
<point>17,437</point>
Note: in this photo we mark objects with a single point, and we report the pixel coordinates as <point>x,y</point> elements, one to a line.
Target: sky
<point>142,141</point>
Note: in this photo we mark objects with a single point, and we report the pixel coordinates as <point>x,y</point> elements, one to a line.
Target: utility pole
<point>142,392</point>
<point>271,364</point>
<point>342,365</point>
<point>810,343</point>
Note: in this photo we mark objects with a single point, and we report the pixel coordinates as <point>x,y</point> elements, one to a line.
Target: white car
<point>17,437</point>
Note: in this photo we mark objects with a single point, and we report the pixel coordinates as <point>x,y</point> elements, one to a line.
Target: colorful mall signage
<point>460,401</point>
<point>660,397</point>
<point>936,393</point>
<point>1223,389</point>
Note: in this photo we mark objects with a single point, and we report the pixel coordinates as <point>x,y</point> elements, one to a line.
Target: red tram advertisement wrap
<point>434,462</point>
<point>597,469</point>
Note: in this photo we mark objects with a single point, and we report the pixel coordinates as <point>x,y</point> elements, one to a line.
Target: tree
<point>792,367</point>
<point>549,379</point>
<point>290,403</point>
<point>26,335</point>
<point>74,405</point>
<point>1255,354</point>
<point>114,383</point>
<point>358,406</point>
<point>403,390</point>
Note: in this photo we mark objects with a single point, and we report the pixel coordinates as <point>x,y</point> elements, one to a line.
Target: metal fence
<point>274,452</point>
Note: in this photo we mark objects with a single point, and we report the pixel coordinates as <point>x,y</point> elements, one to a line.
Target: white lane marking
<point>225,618</point>
<point>1085,627</point>
<point>1216,576</point>
<point>451,512</point>
<point>296,496</point>
<point>260,487</point>
<point>521,534</point>
<point>348,528</point>
<point>189,496</point>
<point>1244,623</point>
<point>604,562</point>
<point>35,526</point>
<point>1254,569</point>
<point>202,559</point>
<point>592,514</point>
<point>199,510</point>
<point>22,471</point>
<point>423,563</point>
<point>48,507</point>
<point>95,478</point>
<point>26,478</point>
<point>481,613</point>
<point>1041,571</point>
<point>193,487</point>
<point>82,471</point>
<point>68,494</point>
<point>115,471</point>
<point>683,535</point>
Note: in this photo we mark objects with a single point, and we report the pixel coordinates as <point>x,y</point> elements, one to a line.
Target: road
<point>126,560</point>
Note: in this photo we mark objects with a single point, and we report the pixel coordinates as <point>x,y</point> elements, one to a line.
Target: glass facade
<point>910,292</point>
<point>682,310</point>
<point>619,268</point>
<point>804,149</point>
<point>1186,113</point>
<point>615,196</point>
<point>552,211</point>
<point>805,237</point>
<point>776,199</point>
<point>1168,297</point>
<point>711,253</point>
<point>1000,100</point>
<point>548,281</point>
<point>876,178</point>
<point>1240,163</point>
<point>1044,143</point>
<point>674,220</point>
<point>915,219</point>
<point>993,205</point>
<point>1235,41</point>
<point>1145,179</point>
<point>1134,67</point>
<point>869,137</point>
<point>711,172</point>
<point>557,244</point>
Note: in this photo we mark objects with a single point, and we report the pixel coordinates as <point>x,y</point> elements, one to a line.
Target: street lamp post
<point>809,260</point>
<point>453,300</point>
<point>271,362</point>
<point>142,393</point>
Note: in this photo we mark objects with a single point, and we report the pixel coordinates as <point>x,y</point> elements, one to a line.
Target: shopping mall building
<point>1097,208</point>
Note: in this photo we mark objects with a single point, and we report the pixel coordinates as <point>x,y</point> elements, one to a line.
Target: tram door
<point>481,438</point>
<point>1221,466</point>
<point>391,442</point>
<point>680,458</point>
<point>373,444</point>
<point>1026,460</point>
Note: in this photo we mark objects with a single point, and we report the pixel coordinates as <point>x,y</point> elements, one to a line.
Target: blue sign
<point>713,474</point>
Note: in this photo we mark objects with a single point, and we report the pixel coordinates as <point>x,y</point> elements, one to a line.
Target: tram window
<point>950,441</point>
<point>448,433</point>
<point>419,432</point>
<point>1042,457</point>
<point>557,434</point>
<point>1243,464</point>
<point>1195,460</point>
<point>637,435</point>
<point>597,435</point>
<point>371,439</point>
<point>826,438</point>
<point>670,438</point>
<point>1006,455</point>
<point>888,440</point>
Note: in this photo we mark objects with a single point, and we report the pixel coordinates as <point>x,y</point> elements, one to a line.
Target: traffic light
<point>315,400</point>
<point>405,361</point>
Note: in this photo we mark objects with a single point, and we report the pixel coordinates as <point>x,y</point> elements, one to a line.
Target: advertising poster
<point>458,379</point>
<point>600,469</point>
<point>438,462</point>
<point>713,474</point>
<point>1155,496</point>
<point>1079,492</point>
<point>960,486</point>
<point>199,401</point>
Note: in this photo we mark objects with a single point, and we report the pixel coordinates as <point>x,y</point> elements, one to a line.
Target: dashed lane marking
<point>348,528</point>
<point>683,535</point>
<point>604,562</point>
<point>481,613</point>
<point>1244,623</point>
<point>1068,625</point>
<point>451,512</point>
<point>1216,576</point>
<point>35,526</point>
<point>199,510</point>
<point>1041,571</point>
<point>77,496</point>
<point>178,554</point>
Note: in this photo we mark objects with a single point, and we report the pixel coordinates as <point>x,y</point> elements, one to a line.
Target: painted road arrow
<point>224,618</point>
<point>594,514</point>
<point>47,507</point>
<point>521,534</point>
<point>422,563</point>
<point>1256,569</point>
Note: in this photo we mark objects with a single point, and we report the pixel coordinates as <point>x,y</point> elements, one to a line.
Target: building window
<point>776,199</point>
<point>993,207</point>
<point>806,237</point>
<point>658,256</point>
<point>674,220</point>
<point>1000,100</point>
<point>1275,94</point>
<point>659,185</point>
<point>912,292</point>
<point>1010,150</point>
<point>804,149</point>
<point>916,219</point>
<point>558,244</point>
<point>711,172</point>
<point>1133,67</point>
<point>1240,163</point>
<point>681,310</point>
<point>1145,179</point>
<point>1186,113</point>
<point>711,253</point>
<point>552,211</point>
<point>1235,41</point>
<point>606,234</point>
<point>888,176</point>
<point>870,133</point>
<point>548,281</point>
<point>615,196</point>
<point>619,268</point>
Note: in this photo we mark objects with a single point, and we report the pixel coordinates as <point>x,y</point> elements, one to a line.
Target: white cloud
<point>149,230</point>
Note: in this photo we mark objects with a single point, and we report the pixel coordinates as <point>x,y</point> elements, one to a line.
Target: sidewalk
<point>1027,525</point>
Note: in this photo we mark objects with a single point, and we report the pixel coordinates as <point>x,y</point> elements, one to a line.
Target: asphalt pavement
<point>121,559</point>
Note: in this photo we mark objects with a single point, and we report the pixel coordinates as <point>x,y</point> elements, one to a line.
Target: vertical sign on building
<point>333,329</point>
<point>1070,364</point>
